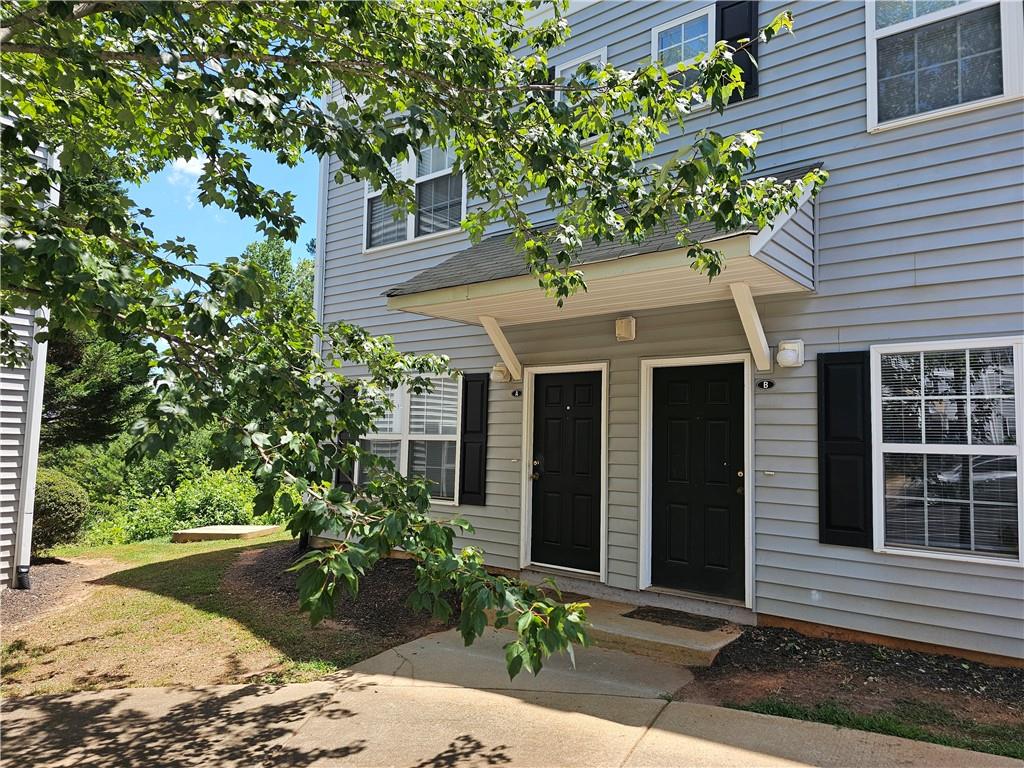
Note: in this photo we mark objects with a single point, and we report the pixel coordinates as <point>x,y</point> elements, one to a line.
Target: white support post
<point>752,325</point>
<point>508,355</point>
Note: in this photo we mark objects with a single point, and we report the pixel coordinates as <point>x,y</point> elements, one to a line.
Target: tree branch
<point>15,23</point>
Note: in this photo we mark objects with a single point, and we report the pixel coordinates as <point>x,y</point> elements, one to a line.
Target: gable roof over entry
<point>491,279</point>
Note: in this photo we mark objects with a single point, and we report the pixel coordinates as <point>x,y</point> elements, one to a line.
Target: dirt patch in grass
<point>198,614</point>
<point>55,583</point>
<point>904,693</point>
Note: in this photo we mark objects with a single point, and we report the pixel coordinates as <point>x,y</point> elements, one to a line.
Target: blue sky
<point>216,233</point>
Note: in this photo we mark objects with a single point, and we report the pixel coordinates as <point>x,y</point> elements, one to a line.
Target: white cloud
<point>185,172</point>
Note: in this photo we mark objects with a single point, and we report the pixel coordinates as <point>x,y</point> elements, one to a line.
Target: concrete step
<point>611,628</point>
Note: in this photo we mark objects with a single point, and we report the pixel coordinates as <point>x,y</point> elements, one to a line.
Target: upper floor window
<point>932,57</point>
<point>682,40</point>
<point>948,451</point>
<point>564,72</point>
<point>440,202</point>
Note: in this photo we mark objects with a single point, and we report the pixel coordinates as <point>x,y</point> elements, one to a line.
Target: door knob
<point>535,475</point>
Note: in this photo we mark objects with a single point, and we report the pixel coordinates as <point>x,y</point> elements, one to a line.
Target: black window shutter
<point>473,459</point>
<point>550,95</point>
<point>737,20</point>
<point>844,449</point>
<point>344,475</point>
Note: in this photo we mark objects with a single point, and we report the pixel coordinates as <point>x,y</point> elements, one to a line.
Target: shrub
<point>99,469</point>
<point>107,476</point>
<point>190,458</point>
<point>110,524</point>
<point>61,509</point>
<point>215,497</point>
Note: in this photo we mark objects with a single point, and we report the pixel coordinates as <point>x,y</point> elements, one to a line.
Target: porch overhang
<point>488,284</point>
<point>643,281</point>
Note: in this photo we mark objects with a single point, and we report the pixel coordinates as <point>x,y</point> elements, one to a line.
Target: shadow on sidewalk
<point>243,726</point>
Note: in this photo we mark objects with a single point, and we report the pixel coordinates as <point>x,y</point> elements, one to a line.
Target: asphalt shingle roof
<point>495,257</point>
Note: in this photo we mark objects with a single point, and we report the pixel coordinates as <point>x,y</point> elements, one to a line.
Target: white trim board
<point>25,514</point>
<point>569,68</point>
<point>647,366</point>
<point>526,490</point>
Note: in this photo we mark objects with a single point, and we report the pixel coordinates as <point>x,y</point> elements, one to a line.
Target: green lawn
<point>908,719</point>
<point>159,614</point>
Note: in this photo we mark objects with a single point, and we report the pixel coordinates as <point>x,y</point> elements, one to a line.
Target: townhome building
<point>826,436</point>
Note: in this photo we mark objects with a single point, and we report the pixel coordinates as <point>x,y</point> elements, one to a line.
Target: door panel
<point>697,485</point>
<point>566,494</point>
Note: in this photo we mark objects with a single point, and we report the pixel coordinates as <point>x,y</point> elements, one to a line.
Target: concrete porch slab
<point>611,628</point>
<point>218,532</point>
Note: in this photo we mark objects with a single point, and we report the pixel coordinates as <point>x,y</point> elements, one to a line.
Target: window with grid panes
<point>930,56</point>
<point>950,452</point>
<point>439,200</point>
<point>420,436</point>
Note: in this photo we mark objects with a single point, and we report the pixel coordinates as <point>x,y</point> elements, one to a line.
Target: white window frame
<point>402,414</point>
<point>708,11</point>
<point>1011,28</point>
<point>407,169</point>
<point>878,448</point>
<point>573,65</point>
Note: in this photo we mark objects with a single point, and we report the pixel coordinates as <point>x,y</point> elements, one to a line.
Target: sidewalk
<point>434,703</point>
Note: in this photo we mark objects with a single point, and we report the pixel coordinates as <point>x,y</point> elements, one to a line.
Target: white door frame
<point>526,492</point>
<point>647,367</point>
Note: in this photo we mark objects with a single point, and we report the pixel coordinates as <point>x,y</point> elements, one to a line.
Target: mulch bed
<point>768,664</point>
<point>53,581</point>
<point>772,650</point>
<point>381,608</point>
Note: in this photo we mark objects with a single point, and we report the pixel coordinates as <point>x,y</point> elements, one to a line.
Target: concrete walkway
<point>434,703</point>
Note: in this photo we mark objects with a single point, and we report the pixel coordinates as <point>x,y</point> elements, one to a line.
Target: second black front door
<point>566,471</point>
<point>697,485</point>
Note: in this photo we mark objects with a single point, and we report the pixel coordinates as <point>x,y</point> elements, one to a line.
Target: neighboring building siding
<point>19,439</point>
<point>919,236</point>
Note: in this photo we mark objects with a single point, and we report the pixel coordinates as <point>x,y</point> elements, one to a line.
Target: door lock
<point>740,473</point>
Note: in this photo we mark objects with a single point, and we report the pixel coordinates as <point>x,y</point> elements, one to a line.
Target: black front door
<point>566,471</point>
<point>697,479</point>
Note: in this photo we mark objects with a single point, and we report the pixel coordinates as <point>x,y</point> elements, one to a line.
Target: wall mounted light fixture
<point>625,328</point>
<point>500,374</point>
<point>791,353</point>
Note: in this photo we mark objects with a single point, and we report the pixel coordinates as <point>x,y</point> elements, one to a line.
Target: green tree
<point>94,390</point>
<point>130,87</point>
<point>274,256</point>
